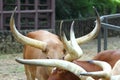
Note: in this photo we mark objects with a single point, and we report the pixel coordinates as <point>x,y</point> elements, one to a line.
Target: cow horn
<point>106,73</point>
<point>73,48</point>
<point>74,68</point>
<point>93,33</point>
<point>23,39</point>
<point>115,69</point>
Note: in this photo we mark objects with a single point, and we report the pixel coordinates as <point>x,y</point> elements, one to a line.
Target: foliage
<point>72,8</point>
<point>69,9</point>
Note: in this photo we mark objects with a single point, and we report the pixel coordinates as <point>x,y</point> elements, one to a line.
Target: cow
<point>42,44</point>
<point>66,65</point>
<point>108,73</point>
<point>109,56</point>
<point>75,71</point>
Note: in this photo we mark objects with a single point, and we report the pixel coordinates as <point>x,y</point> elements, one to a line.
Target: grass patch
<point>17,69</point>
<point>10,56</point>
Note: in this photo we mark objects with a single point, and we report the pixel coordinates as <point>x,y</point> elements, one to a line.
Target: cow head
<point>45,47</point>
<point>74,51</point>
<point>50,46</point>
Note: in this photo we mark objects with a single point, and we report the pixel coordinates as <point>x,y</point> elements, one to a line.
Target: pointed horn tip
<point>13,12</point>
<point>96,12</point>
<point>72,25</point>
<point>83,73</point>
<point>61,31</point>
<point>73,21</point>
<point>15,7</point>
<point>91,61</point>
<point>94,7</point>
<point>61,21</point>
<point>18,58</point>
<point>61,25</point>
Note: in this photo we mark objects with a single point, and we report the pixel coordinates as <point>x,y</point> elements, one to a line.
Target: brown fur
<point>110,56</point>
<point>60,74</point>
<point>55,50</point>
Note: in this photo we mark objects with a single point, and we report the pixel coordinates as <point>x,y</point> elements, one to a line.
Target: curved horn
<point>23,39</point>
<point>115,69</point>
<point>106,73</point>
<point>93,33</point>
<point>75,45</point>
<point>53,63</point>
<point>74,50</point>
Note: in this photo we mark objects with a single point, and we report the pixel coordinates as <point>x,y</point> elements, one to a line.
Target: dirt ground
<point>11,70</point>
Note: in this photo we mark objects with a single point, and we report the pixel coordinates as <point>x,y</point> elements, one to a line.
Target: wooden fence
<point>31,14</point>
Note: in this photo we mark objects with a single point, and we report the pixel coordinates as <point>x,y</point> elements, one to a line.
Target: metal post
<point>99,41</point>
<point>36,14</point>
<point>19,16</point>
<point>53,15</point>
<point>105,38</point>
<point>105,35</point>
<point>1,16</point>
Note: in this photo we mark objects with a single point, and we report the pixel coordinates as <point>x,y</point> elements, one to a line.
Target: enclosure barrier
<point>9,45</point>
<point>30,14</point>
<point>106,25</point>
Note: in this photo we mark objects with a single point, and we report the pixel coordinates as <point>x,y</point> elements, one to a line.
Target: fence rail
<point>108,25</point>
<point>81,27</point>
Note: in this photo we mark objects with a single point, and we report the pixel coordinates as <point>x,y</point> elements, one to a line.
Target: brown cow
<point>109,56</point>
<point>66,65</point>
<point>42,44</point>
<point>73,73</point>
<point>75,70</point>
<point>108,73</point>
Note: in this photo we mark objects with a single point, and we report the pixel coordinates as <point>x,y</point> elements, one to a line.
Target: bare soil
<point>11,70</point>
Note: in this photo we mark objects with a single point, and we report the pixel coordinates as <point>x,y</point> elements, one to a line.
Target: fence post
<point>1,15</point>
<point>105,35</point>
<point>99,41</point>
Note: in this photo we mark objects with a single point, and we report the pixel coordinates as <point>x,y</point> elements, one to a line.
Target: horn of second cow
<point>93,33</point>
<point>74,50</point>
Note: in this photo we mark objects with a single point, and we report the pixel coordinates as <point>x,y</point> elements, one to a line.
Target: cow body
<point>44,45</point>
<point>55,49</point>
<point>110,56</point>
